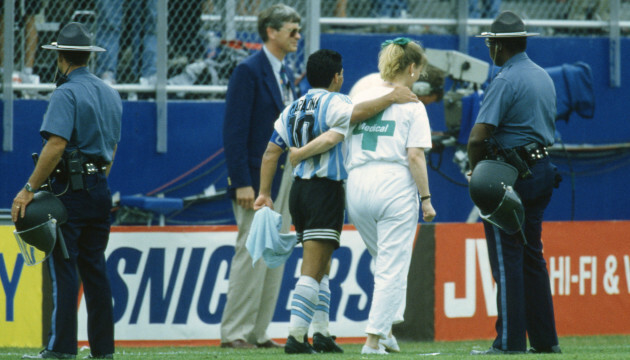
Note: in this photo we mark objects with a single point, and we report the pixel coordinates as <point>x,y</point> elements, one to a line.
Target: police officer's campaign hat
<point>507,25</point>
<point>74,37</point>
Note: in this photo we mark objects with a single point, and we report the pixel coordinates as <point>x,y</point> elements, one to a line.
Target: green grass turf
<point>591,348</point>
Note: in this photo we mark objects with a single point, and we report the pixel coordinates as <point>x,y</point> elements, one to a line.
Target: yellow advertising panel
<point>20,295</point>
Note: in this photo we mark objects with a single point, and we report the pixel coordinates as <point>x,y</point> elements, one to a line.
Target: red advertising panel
<point>589,268</point>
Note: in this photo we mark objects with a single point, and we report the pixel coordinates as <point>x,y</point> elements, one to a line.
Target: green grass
<point>591,348</point>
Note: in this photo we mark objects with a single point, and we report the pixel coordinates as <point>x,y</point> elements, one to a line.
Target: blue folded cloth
<point>264,239</point>
<point>574,90</point>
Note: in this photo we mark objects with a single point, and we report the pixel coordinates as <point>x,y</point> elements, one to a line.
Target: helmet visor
<point>509,216</point>
<point>37,243</point>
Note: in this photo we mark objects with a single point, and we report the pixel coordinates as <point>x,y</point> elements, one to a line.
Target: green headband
<point>402,41</point>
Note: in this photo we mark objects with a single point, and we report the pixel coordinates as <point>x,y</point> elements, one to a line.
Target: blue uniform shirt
<point>87,113</point>
<point>521,103</point>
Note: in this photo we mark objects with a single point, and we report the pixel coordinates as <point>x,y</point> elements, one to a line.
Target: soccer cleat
<point>295,347</point>
<point>325,344</point>
<point>390,344</point>
<point>366,350</point>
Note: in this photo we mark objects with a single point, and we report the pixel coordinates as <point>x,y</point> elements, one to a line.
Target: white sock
<point>322,311</point>
<point>303,306</point>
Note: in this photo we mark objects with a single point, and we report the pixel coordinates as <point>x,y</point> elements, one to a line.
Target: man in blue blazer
<point>258,91</point>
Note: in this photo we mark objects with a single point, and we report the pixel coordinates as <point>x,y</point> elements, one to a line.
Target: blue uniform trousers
<point>86,234</point>
<point>524,302</point>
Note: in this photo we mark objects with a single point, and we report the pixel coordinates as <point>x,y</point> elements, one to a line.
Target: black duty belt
<point>90,168</point>
<point>532,152</point>
<point>521,157</point>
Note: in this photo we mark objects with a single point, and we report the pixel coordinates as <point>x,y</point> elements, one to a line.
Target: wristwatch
<point>29,188</point>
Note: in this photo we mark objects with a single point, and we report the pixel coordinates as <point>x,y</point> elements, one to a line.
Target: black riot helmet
<point>491,189</point>
<point>37,232</point>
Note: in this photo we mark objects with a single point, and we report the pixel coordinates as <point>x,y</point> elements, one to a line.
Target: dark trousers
<point>524,302</point>
<point>86,234</point>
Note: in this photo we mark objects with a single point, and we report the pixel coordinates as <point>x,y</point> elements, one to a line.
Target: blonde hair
<point>394,59</point>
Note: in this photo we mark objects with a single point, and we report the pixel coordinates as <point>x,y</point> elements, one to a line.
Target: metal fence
<point>186,49</point>
<point>205,39</point>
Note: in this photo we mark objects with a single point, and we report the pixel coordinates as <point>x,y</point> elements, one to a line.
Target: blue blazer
<point>252,105</point>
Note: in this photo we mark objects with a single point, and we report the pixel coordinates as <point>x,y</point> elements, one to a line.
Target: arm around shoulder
<point>320,144</point>
<point>367,109</point>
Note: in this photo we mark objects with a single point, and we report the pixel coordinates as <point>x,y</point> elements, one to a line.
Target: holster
<point>510,156</point>
<point>75,174</point>
<point>74,166</point>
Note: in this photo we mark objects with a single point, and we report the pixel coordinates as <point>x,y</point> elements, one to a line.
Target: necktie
<point>286,87</point>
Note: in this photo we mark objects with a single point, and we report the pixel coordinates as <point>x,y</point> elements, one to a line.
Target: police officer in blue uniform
<point>515,124</point>
<point>81,129</point>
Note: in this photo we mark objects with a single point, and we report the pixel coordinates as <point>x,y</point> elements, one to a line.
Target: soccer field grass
<point>592,348</point>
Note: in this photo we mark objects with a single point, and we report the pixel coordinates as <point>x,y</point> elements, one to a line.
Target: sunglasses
<point>489,42</point>
<point>292,32</point>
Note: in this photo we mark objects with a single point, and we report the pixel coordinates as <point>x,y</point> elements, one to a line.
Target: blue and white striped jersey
<point>309,116</point>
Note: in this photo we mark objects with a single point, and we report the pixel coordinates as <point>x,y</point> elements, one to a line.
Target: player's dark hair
<point>77,58</point>
<point>322,66</point>
<point>275,17</point>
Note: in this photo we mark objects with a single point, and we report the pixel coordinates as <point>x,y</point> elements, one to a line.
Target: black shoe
<point>552,350</point>
<point>295,347</point>
<point>325,344</point>
<point>494,351</point>
<point>47,354</point>
<point>106,356</point>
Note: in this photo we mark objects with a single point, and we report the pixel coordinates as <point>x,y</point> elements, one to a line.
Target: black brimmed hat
<point>507,25</point>
<point>74,37</point>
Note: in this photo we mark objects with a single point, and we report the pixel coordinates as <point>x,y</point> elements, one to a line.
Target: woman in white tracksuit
<point>387,169</point>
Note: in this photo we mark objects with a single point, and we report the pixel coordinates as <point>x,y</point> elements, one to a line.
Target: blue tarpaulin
<point>574,92</point>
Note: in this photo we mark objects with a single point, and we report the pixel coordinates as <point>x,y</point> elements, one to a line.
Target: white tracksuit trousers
<point>384,207</point>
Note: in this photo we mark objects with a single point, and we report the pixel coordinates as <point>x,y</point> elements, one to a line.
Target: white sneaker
<point>29,78</point>
<point>149,80</point>
<point>23,77</point>
<point>16,77</point>
<point>390,344</point>
<point>108,78</point>
<point>366,350</point>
